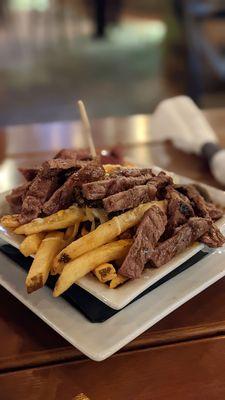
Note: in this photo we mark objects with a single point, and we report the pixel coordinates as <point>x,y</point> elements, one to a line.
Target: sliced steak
<point>183,237</point>
<point>16,197</point>
<point>179,209</point>
<point>148,233</point>
<point>65,195</point>
<point>213,238</point>
<point>201,207</point>
<point>101,189</point>
<point>74,154</point>
<point>197,201</point>
<point>132,172</point>
<point>214,211</point>
<point>39,191</point>
<point>29,173</point>
<point>130,198</point>
<point>59,165</point>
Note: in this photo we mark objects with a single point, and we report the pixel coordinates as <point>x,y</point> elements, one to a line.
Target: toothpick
<point>87,127</point>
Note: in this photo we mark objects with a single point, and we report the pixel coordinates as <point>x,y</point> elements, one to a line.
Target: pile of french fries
<point>61,244</point>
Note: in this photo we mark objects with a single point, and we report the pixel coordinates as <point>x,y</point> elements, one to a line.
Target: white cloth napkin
<point>181,121</point>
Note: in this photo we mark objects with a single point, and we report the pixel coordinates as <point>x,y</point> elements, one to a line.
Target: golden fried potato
<point>31,243</point>
<point>78,268</point>
<point>105,272</point>
<point>118,280</point>
<point>10,221</point>
<point>109,168</point>
<point>71,233</point>
<point>103,234</point>
<point>60,220</point>
<point>40,267</point>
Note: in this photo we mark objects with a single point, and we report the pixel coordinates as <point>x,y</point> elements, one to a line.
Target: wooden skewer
<point>87,127</point>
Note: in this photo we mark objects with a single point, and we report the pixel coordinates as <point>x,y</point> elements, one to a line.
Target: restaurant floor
<point>48,60</point>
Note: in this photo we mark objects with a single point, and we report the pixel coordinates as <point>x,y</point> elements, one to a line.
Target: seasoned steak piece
<point>148,233</point>
<point>29,173</point>
<point>214,211</point>
<point>179,209</point>
<point>59,165</point>
<point>200,206</point>
<point>183,237</point>
<point>213,238</point>
<point>74,154</point>
<point>39,191</point>
<point>130,198</point>
<point>197,201</point>
<point>108,187</point>
<point>132,172</point>
<point>16,197</point>
<point>64,196</point>
<point>101,189</point>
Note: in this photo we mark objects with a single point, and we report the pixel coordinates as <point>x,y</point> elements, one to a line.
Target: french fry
<point>71,232</point>
<point>10,221</point>
<point>31,244</point>
<point>40,267</point>
<point>60,220</point>
<point>109,168</point>
<point>118,280</point>
<point>103,234</point>
<point>87,262</point>
<point>105,272</point>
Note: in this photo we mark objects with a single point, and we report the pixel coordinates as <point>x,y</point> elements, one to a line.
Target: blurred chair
<point>202,49</point>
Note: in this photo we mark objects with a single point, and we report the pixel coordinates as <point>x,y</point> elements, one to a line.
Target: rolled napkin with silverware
<point>179,120</point>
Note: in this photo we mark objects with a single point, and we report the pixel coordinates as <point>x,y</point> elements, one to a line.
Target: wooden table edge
<point>156,339</point>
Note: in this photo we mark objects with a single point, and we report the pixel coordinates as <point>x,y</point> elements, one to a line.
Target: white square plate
<point>100,340</point>
<point>123,295</point>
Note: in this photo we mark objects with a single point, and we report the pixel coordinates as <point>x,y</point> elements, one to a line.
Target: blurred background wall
<point>120,56</point>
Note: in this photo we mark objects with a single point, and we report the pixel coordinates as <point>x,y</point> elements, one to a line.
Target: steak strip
<point>179,210</point>
<point>130,198</point>
<point>29,173</point>
<point>187,234</point>
<point>64,196</point>
<point>132,172</point>
<point>39,191</point>
<point>213,238</point>
<point>16,197</point>
<point>101,189</point>
<point>200,206</point>
<point>58,165</point>
<point>148,233</point>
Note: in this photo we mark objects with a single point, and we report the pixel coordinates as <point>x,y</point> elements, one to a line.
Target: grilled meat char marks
<point>213,238</point>
<point>201,207</point>
<point>179,210</point>
<point>136,195</point>
<point>148,233</point>
<point>16,197</point>
<point>29,173</point>
<point>107,187</point>
<point>184,237</point>
<point>39,191</point>
<point>130,198</point>
<point>64,196</point>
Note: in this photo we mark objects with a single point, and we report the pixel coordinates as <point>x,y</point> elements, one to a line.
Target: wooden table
<point>181,357</point>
